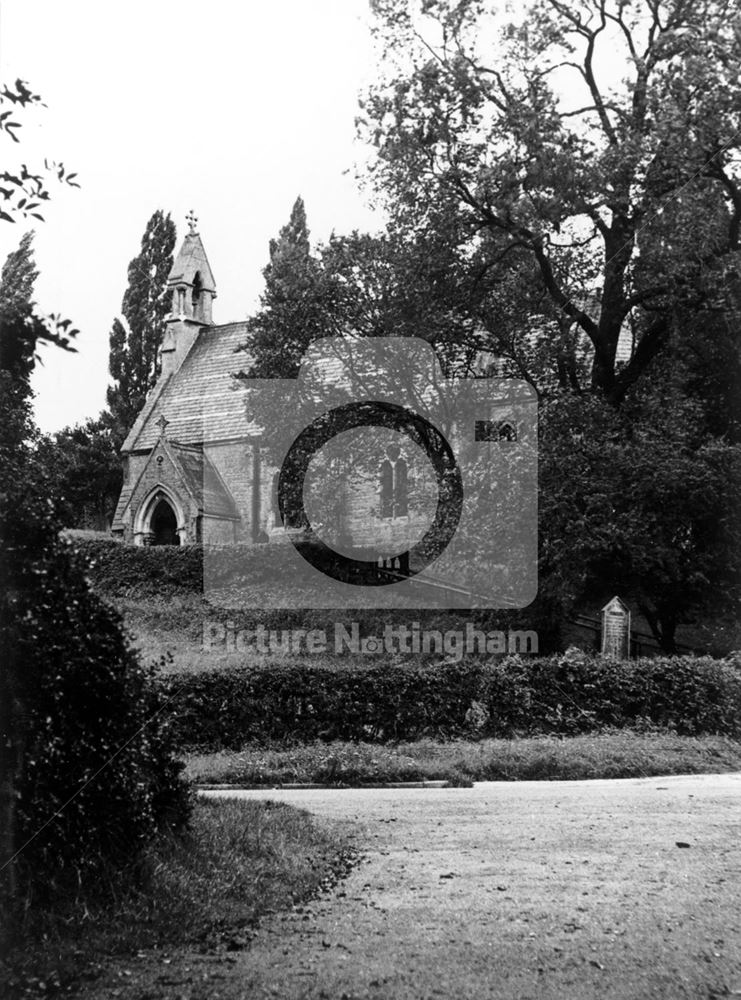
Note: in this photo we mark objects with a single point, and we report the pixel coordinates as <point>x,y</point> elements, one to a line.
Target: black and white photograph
<point>370,518</point>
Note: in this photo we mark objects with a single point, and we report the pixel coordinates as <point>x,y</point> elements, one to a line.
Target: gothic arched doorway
<point>164,525</point>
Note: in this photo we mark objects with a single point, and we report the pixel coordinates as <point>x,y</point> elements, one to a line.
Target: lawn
<point>238,861</point>
<point>621,754</point>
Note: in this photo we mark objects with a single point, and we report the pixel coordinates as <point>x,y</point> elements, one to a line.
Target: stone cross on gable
<point>162,423</point>
<point>192,220</point>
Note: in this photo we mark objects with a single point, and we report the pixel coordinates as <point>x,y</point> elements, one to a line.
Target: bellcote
<point>193,289</point>
<point>191,281</point>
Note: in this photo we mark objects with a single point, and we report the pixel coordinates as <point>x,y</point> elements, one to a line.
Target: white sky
<point>230,108</point>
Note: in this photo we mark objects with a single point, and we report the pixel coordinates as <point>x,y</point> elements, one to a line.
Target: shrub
<point>86,769</point>
<point>301,701</point>
<point>99,776</point>
<point>116,569</point>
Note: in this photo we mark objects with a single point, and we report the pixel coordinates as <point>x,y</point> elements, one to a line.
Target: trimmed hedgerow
<point>568,694</point>
<point>117,569</point>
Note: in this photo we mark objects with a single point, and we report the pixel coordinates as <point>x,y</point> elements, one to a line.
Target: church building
<point>194,469</point>
<point>193,472</point>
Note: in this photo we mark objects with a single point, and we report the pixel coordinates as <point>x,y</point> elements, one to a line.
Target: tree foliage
<point>137,334</point>
<point>618,199</point>
<point>640,501</point>
<point>23,191</point>
<point>17,279</point>
<point>293,305</point>
<point>360,284</point>
<point>75,702</point>
<point>84,469</point>
<point>18,276</point>
<point>86,770</point>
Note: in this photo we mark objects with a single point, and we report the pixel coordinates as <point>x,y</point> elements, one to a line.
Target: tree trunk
<point>663,627</point>
<point>10,759</point>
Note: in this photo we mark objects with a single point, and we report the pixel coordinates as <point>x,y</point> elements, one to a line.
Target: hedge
<point>568,694</point>
<point>117,569</point>
<point>99,775</point>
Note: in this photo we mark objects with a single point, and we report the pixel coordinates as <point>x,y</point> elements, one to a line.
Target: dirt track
<point>535,890</point>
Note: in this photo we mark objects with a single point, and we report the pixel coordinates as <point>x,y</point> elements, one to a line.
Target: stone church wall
<point>233,462</point>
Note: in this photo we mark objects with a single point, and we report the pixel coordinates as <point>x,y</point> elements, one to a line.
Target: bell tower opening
<point>196,296</point>
<point>164,525</point>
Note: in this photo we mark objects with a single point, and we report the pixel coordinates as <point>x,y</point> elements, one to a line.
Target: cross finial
<point>192,221</point>
<point>162,424</point>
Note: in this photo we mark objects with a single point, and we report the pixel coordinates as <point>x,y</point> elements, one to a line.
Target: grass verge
<point>239,861</point>
<point>621,754</point>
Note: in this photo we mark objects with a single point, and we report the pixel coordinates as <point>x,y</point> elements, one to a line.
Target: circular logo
<point>371,413</point>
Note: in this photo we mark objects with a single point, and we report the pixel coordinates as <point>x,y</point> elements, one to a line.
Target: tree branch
<point>716,170</point>
<point>649,346</point>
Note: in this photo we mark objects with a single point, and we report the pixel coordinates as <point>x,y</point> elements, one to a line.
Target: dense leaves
<point>86,772</point>
<point>99,777</point>
<point>571,693</point>
<point>292,312</point>
<point>84,469</point>
<point>137,333</point>
<point>117,570</point>
<point>641,502</point>
<point>618,199</point>
<point>18,277</point>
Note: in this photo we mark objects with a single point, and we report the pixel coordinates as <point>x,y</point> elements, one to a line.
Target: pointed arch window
<point>277,522</point>
<point>393,487</point>
<point>386,488</point>
<point>401,502</point>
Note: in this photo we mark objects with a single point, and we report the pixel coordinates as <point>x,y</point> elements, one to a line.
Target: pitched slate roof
<point>123,503</point>
<point>200,401</point>
<point>202,481</point>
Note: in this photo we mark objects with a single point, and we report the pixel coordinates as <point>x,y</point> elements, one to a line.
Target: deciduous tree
<point>619,198</point>
<point>22,191</point>
<point>84,471</point>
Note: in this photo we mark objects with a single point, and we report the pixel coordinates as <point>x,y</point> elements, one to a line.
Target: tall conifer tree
<point>18,276</point>
<point>136,335</point>
<point>293,310</point>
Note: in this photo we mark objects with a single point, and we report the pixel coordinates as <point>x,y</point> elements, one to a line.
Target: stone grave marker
<point>616,630</point>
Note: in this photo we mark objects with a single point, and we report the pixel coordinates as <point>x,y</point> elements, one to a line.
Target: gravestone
<point>616,630</point>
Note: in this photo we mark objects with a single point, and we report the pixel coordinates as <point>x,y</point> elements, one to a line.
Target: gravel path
<point>518,890</point>
<point>537,890</point>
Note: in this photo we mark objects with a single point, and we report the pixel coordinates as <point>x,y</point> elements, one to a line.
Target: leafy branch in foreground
<point>23,190</point>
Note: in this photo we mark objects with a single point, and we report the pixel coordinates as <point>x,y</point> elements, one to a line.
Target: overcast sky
<point>230,108</point>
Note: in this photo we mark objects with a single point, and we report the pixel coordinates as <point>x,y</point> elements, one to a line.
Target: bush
<point>125,570</point>
<point>570,694</point>
<point>99,775</point>
<point>86,768</point>
<point>130,570</point>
